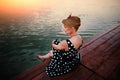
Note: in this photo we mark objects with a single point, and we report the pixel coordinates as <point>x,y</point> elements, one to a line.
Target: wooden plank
<point>115,74</point>
<point>78,73</point>
<point>96,56</point>
<point>95,41</point>
<point>94,61</point>
<point>110,64</point>
<point>110,48</point>
<point>107,68</point>
<point>115,55</point>
<point>106,32</point>
<point>96,77</point>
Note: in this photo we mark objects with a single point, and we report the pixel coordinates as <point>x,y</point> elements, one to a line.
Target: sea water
<point>24,36</point>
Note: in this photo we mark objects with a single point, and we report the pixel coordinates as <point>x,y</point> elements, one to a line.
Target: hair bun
<point>69,16</point>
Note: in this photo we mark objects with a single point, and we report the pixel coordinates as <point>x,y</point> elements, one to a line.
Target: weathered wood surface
<point>101,61</point>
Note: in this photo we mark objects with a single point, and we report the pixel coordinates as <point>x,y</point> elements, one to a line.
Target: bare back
<point>76,41</point>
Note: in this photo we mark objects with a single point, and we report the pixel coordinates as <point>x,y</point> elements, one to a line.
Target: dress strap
<point>69,42</point>
<point>70,45</point>
<point>80,45</point>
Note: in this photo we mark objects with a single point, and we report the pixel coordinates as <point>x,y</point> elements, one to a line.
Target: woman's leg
<point>47,56</point>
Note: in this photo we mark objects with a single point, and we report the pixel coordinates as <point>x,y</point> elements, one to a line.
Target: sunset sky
<point>27,6</point>
<point>21,5</point>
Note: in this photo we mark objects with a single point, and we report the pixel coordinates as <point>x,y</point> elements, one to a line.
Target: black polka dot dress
<point>63,61</point>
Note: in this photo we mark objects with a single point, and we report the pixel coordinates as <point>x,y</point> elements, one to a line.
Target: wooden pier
<point>101,61</point>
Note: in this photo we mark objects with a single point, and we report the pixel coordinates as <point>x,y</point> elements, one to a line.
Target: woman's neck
<point>73,34</point>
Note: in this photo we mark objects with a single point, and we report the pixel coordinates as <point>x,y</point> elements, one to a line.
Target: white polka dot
<point>68,42</point>
<point>67,70</point>
<point>65,62</point>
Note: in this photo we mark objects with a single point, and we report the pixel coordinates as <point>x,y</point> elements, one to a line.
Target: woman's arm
<point>60,46</point>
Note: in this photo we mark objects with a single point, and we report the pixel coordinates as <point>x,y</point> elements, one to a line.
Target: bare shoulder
<point>79,38</point>
<point>76,41</point>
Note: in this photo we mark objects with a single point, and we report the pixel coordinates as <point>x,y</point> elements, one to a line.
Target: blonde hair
<point>72,21</point>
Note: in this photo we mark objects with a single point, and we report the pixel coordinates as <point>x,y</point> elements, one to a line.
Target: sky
<point>27,6</point>
<point>9,6</point>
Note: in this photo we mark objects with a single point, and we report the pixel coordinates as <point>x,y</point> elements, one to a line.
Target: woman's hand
<point>60,46</point>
